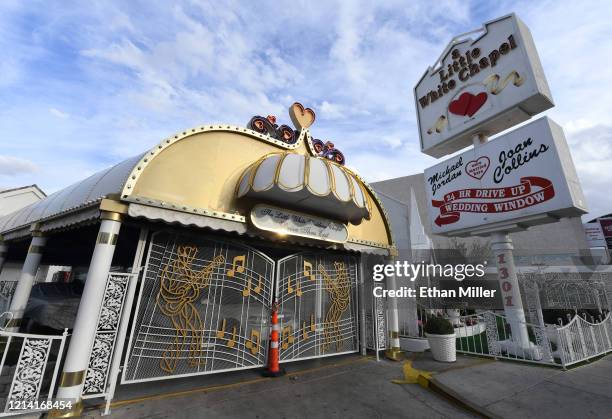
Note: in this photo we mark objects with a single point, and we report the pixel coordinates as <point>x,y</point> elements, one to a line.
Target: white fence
<point>28,371</point>
<point>580,340</point>
<point>490,334</point>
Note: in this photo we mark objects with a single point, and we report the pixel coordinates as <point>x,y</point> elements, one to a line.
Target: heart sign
<point>301,117</point>
<point>477,168</point>
<point>467,104</point>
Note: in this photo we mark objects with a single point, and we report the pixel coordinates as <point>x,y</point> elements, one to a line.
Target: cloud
<point>58,113</point>
<point>13,166</point>
<point>128,77</point>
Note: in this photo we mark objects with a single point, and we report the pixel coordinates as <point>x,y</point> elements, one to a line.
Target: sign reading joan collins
<point>484,84</point>
<point>509,181</point>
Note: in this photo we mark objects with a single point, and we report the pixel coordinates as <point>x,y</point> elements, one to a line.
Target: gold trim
<point>148,157</point>
<point>394,354</point>
<point>393,334</point>
<point>38,249</point>
<point>72,378</point>
<point>111,215</point>
<point>75,411</point>
<point>272,183</point>
<point>278,167</point>
<point>105,237</point>
<point>370,243</point>
<point>111,205</point>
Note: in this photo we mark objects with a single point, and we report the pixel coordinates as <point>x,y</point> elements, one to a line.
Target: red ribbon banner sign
<point>467,200</point>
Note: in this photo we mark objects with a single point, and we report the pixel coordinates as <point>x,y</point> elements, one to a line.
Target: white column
<point>394,351</point>
<point>25,281</point>
<point>84,332</point>
<point>502,247</point>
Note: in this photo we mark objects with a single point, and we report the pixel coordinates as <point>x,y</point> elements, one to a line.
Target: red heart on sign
<point>476,103</point>
<point>477,168</point>
<point>467,104</point>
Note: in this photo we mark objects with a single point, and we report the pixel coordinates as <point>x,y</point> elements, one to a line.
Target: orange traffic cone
<point>274,369</point>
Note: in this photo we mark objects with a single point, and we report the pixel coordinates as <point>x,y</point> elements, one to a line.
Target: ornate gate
<point>203,307</point>
<point>317,295</point>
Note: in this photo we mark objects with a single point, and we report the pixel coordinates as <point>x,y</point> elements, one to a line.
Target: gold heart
<point>301,117</point>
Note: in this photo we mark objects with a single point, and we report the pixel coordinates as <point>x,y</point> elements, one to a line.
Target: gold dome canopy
<point>308,184</point>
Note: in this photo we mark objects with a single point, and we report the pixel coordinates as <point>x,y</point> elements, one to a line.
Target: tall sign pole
<point>502,247</point>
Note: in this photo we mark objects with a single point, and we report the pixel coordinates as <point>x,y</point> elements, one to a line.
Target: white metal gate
<point>317,296</point>
<point>203,307</point>
<point>29,366</point>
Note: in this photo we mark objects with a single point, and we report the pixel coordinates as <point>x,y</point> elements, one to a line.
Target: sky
<point>84,85</point>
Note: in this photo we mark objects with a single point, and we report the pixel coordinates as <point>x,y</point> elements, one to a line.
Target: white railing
<point>490,334</point>
<point>580,340</point>
<point>29,367</point>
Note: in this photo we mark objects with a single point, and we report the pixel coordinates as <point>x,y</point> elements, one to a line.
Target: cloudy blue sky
<point>84,85</point>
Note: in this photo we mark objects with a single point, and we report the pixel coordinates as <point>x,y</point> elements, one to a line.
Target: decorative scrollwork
<point>328,150</point>
<point>106,331</point>
<point>30,368</point>
<point>179,288</point>
<point>339,289</point>
<point>379,306</point>
<point>492,333</point>
<point>95,380</point>
<point>269,127</point>
<point>112,302</point>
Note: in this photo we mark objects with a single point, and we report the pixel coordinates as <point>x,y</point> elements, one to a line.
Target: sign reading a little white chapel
<point>484,84</point>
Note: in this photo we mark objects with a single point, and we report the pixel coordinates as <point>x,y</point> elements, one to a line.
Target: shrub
<point>439,326</point>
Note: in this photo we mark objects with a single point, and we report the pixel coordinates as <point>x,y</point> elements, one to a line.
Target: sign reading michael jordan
<point>483,84</point>
<point>518,178</point>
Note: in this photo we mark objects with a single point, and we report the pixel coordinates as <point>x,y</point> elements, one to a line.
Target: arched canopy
<point>190,178</point>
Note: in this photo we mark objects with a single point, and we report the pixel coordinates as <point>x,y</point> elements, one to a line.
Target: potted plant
<point>441,337</point>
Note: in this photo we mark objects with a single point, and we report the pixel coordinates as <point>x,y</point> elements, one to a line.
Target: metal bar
<point>124,319</point>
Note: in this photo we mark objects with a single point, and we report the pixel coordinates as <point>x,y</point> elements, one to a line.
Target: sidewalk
<point>510,389</point>
<point>337,387</point>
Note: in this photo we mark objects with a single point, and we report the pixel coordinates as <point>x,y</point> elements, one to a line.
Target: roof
<point>189,179</point>
<point>78,195</point>
<point>2,191</point>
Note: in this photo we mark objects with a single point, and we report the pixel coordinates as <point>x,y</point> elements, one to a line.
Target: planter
<point>443,347</point>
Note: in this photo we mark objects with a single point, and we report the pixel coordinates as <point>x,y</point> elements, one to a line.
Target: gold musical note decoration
<point>179,288</point>
<point>308,271</point>
<point>259,285</point>
<point>312,322</point>
<point>237,265</point>
<point>247,290</point>
<point>297,289</point>
<point>304,331</point>
<point>253,342</point>
<point>289,287</point>
<point>338,289</point>
<point>221,332</point>
<point>231,342</point>
<point>286,337</point>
